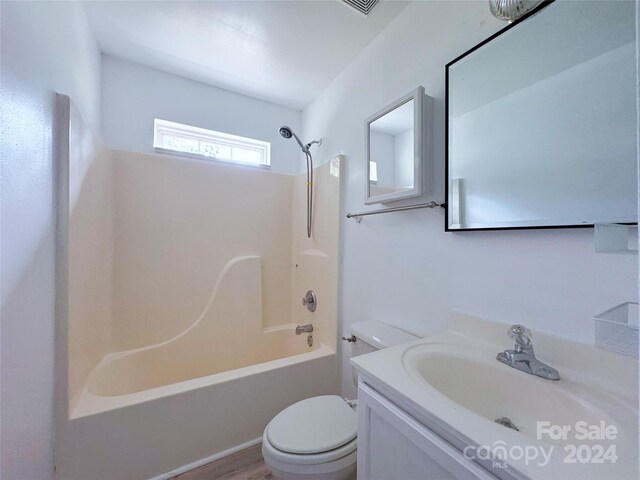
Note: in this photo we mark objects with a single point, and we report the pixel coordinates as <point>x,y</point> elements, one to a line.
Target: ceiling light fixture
<point>510,10</point>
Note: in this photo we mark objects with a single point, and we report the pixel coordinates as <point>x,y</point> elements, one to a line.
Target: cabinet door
<point>394,446</point>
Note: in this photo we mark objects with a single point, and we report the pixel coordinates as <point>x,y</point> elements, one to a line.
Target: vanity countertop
<point>597,392</point>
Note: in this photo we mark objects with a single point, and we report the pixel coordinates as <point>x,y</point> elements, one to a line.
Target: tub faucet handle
<point>310,300</point>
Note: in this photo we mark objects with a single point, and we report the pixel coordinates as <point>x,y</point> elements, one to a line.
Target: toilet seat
<point>310,459</point>
<point>315,426</point>
<point>323,429</point>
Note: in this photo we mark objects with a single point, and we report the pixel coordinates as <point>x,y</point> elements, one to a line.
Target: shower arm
<point>305,148</point>
<point>315,142</point>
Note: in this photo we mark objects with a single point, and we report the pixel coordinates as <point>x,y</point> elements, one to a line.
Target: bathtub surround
<point>85,244</point>
<point>153,194</point>
<point>160,428</point>
<point>178,222</point>
<point>202,309</point>
<point>315,259</point>
<point>46,47</point>
<point>162,283</point>
<point>402,268</point>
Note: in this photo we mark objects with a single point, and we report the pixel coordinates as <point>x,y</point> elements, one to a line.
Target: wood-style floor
<point>244,465</point>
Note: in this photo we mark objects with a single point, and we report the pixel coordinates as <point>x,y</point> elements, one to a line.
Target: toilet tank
<point>372,336</point>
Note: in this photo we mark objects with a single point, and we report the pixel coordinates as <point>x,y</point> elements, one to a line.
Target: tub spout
<point>300,329</point>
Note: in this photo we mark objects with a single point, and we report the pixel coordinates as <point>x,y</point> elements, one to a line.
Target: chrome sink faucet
<point>522,356</point>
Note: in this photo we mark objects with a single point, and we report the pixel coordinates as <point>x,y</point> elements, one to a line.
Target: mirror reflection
<point>395,148</point>
<point>391,152</point>
<point>542,122</point>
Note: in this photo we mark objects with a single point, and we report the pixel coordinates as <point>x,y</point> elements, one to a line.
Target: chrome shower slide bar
<point>358,216</point>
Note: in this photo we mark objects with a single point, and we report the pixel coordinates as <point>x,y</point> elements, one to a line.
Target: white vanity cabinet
<point>392,445</point>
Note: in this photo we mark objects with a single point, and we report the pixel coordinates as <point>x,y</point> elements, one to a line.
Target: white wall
<point>46,47</point>
<point>133,95</point>
<point>402,268</point>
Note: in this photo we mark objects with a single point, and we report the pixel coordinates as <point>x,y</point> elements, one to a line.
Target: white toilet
<point>315,439</point>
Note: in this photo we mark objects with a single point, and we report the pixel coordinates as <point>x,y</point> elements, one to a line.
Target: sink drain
<point>506,422</point>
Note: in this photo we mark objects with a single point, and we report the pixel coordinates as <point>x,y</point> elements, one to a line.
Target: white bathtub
<point>128,378</point>
<point>150,433</point>
<point>212,389</point>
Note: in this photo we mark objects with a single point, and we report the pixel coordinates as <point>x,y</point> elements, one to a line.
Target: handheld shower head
<point>285,131</point>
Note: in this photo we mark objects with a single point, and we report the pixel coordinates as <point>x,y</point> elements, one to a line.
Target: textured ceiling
<point>285,52</point>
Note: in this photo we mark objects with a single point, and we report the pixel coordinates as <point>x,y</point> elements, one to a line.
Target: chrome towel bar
<point>358,216</point>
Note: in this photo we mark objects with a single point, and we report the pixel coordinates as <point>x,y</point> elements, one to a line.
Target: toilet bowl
<point>316,438</point>
<point>312,439</point>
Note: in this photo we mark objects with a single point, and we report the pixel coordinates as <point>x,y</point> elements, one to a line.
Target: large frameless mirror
<point>541,122</point>
<point>394,147</point>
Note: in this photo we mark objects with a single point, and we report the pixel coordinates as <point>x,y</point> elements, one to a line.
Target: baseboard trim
<point>209,459</point>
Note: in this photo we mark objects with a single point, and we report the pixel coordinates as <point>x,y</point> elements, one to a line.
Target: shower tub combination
<point>156,410</point>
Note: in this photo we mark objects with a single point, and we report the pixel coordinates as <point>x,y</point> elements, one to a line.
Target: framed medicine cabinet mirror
<point>541,122</point>
<point>395,149</point>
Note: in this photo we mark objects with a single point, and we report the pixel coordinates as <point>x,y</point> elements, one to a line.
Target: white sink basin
<point>476,381</point>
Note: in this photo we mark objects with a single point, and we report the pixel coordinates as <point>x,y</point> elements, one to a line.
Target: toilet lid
<point>314,425</point>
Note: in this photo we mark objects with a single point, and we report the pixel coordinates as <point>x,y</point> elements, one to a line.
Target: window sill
<point>205,158</point>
